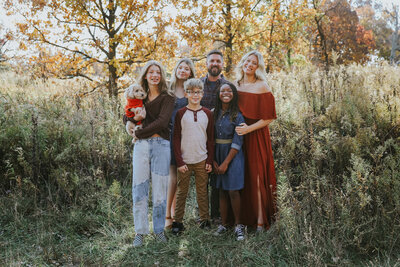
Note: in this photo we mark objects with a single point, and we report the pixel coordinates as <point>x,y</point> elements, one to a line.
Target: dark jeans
<point>214,199</point>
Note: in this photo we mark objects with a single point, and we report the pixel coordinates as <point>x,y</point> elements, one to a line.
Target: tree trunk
<point>112,53</point>
<point>324,49</point>
<point>289,58</point>
<point>270,45</point>
<point>229,60</point>
<point>395,36</point>
<point>229,40</point>
<point>112,81</point>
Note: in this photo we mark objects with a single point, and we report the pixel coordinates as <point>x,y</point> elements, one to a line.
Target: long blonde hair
<point>162,86</point>
<point>189,62</point>
<point>260,71</point>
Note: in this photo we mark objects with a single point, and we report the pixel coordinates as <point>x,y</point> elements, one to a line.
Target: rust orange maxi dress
<point>258,158</point>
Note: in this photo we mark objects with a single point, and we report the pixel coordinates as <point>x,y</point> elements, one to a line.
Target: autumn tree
<point>4,38</point>
<point>271,17</point>
<point>3,42</point>
<point>284,22</point>
<point>81,33</point>
<point>394,17</point>
<point>229,25</point>
<point>319,35</point>
<point>373,18</point>
<point>338,30</point>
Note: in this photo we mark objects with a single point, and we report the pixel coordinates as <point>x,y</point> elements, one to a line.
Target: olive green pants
<point>183,183</point>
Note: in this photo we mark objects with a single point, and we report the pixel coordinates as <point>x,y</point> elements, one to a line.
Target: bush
<point>336,145</point>
<point>56,144</point>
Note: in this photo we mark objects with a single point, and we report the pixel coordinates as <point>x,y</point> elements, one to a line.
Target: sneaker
<point>138,241</point>
<point>239,232</point>
<point>177,228</point>
<point>161,238</point>
<point>221,230</point>
<point>205,224</point>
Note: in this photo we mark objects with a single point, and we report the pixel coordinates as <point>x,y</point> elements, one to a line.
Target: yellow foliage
<point>115,34</point>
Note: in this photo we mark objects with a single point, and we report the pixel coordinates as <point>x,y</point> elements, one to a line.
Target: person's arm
<point>237,142</point>
<point>210,138</point>
<point>243,128</point>
<point>167,106</point>
<point>125,119</point>
<point>177,138</point>
<point>224,165</point>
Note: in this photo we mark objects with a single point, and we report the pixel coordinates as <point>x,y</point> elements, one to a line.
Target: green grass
<point>77,237</point>
<point>65,177</point>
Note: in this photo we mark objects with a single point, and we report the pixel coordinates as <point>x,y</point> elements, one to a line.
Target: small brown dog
<point>135,95</point>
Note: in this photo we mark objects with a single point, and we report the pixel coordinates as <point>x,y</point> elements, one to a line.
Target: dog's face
<point>135,91</point>
<point>139,92</point>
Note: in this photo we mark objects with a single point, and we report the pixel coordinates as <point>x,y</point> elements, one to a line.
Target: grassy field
<point>65,177</point>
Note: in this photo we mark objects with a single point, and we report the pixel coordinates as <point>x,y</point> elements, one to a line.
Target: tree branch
<point>64,47</point>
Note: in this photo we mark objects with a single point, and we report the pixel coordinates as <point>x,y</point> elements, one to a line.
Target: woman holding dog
<point>257,105</point>
<point>151,153</point>
<point>183,71</point>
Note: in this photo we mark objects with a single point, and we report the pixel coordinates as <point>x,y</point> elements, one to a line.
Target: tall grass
<point>337,144</point>
<point>54,143</point>
<point>65,177</point>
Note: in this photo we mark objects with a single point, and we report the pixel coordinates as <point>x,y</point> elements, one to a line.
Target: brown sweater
<point>158,115</point>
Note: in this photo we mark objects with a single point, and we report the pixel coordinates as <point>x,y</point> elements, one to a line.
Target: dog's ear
<point>128,91</point>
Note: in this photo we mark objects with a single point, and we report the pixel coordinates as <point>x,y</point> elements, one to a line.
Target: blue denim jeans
<point>151,160</point>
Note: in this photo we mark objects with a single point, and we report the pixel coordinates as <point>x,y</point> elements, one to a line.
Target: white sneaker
<point>221,230</point>
<point>239,232</point>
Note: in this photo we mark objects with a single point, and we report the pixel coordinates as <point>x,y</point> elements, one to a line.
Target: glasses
<point>189,92</point>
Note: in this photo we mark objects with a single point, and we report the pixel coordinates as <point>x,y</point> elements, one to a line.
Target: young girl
<point>151,154</point>
<point>229,158</point>
<point>183,71</point>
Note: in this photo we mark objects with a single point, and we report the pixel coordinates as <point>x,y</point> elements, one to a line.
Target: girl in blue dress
<point>183,71</point>
<point>229,157</point>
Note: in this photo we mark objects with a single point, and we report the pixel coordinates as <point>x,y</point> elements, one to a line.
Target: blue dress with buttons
<point>179,103</point>
<point>233,179</point>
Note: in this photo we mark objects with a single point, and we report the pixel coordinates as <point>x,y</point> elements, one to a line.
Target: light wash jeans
<point>151,160</point>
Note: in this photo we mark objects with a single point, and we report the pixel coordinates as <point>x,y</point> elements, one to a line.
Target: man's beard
<point>214,71</point>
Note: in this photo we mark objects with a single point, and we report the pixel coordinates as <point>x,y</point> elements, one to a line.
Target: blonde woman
<point>257,105</point>
<point>183,71</point>
<point>151,154</point>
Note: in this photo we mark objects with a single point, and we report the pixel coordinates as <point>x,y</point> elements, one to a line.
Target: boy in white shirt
<point>194,149</point>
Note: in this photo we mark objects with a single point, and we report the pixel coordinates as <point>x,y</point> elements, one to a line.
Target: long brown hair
<point>162,86</point>
<point>189,62</point>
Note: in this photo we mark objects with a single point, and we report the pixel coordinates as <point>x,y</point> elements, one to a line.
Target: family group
<point>209,128</point>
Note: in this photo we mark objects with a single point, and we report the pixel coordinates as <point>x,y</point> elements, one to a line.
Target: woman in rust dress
<point>257,105</point>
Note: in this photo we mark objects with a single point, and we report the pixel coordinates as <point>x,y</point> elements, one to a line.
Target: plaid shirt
<point>209,96</point>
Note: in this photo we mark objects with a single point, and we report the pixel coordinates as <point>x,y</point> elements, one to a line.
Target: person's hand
<point>140,114</point>
<point>215,166</point>
<point>242,129</point>
<point>222,168</point>
<point>143,112</point>
<point>183,168</point>
<point>208,168</point>
<point>133,133</point>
